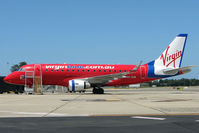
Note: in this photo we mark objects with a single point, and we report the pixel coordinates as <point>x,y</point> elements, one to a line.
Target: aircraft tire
<point>94,91</point>
<point>98,91</point>
<point>101,91</point>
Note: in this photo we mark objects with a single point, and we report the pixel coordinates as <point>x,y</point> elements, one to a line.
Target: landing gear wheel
<point>101,91</point>
<point>94,91</point>
<point>98,90</point>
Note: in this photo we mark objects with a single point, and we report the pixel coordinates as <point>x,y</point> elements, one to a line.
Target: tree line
<point>17,66</point>
<point>175,82</point>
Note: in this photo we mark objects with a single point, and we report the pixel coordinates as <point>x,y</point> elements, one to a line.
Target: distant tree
<point>17,66</point>
<point>176,82</point>
<point>22,63</point>
<point>14,68</point>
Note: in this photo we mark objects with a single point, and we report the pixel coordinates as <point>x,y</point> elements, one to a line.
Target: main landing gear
<point>98,90</point>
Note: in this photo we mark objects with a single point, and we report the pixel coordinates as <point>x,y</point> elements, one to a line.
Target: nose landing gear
<point>98,90</point>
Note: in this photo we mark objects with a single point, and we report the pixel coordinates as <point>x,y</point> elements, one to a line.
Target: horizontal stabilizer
<point>176,70</point>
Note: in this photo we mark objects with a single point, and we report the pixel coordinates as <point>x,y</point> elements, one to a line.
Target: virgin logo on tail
<point>168,59</point>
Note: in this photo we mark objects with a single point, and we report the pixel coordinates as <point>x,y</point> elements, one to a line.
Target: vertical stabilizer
<point>171,58</point>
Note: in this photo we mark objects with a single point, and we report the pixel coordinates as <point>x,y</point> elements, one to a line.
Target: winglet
<point>137,66</point>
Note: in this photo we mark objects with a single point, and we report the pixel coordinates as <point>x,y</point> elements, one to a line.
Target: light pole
<point>8,66</point>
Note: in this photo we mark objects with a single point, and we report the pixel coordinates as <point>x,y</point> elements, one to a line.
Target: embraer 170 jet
<point>78,77</point>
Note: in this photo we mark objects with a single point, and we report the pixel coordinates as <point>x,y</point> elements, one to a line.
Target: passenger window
<point>52,70</point>
<point>62,70</point>
<point>73,70</point>
<point>67,70</point>
<point>104,70</point>
<point>88,70</point>
<point>46,70</point>
<point>83,70</point>
<point>99,70</point>
<point>124,70</point>
<point>57,70</point>
<point>109,70</point>
<point>120,71</point>
<point>94,70</point>
<point>78,70</point>
<point>115,71</point>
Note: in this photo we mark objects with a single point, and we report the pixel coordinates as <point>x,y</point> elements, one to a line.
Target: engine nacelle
<point>78,85</point>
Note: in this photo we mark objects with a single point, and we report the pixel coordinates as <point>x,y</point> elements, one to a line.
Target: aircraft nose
<point>8,79</point>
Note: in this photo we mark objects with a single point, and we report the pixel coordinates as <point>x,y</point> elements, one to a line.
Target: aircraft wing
<point>103,79</point>
<point>106,78</point>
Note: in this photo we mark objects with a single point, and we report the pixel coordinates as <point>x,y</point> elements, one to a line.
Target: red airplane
<point>78,77</point>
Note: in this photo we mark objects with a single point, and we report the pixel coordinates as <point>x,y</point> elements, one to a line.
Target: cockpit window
<point>21,70</point>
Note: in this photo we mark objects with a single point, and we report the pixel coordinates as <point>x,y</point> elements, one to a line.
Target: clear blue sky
<point>95,31</point>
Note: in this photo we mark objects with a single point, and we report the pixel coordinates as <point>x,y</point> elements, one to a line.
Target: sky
<point>95,31</point>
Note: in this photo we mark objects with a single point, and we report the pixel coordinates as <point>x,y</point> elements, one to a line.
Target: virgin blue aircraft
<point>78,77</point>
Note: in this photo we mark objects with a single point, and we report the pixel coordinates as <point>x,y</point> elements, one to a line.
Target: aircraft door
<point>142,72</point>
<point>38,78</point>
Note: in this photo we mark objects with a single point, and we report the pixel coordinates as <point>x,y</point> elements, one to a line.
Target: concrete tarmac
<point>143,101</point>
<point>145,110</point>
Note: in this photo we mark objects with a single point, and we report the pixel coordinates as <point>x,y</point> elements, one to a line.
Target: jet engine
<point>78,85</point>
